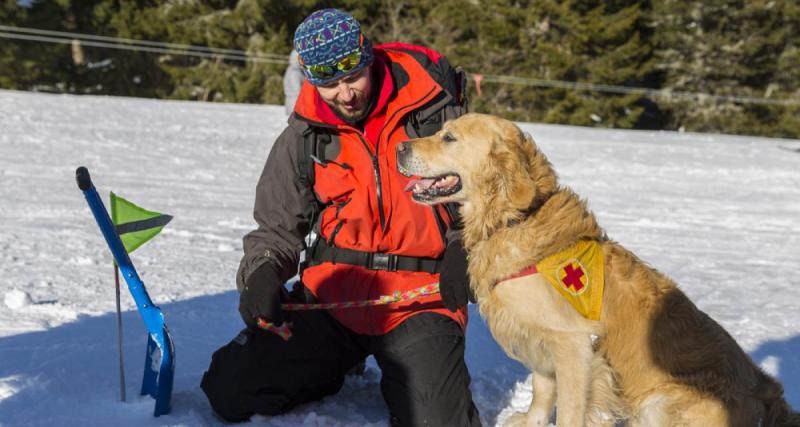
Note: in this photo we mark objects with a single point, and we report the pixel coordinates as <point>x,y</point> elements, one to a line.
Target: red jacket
<point>358,200</point>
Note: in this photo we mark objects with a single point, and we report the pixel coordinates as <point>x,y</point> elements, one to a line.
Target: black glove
<point>261,297</point>
<point>453,278</point>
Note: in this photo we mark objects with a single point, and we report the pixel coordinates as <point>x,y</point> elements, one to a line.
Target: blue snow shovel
<point>159,365</point>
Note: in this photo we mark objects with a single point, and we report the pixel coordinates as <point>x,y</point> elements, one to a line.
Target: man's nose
<point>345,92</point>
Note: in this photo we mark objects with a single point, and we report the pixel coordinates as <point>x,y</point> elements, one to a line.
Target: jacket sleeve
<point>283,211</point>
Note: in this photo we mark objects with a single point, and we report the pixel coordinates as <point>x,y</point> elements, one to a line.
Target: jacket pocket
<point>334,185</point>
<point>334,182</point>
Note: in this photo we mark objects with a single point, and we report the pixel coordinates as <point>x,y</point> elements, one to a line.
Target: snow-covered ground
<point>719,214</point>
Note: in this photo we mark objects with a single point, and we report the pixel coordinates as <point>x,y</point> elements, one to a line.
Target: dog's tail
<point>777,412</point>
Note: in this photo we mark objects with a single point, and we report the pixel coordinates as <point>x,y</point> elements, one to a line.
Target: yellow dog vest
<point>577,274</point>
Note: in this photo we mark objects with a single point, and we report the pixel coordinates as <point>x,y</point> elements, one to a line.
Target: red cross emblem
<point>574,277</point>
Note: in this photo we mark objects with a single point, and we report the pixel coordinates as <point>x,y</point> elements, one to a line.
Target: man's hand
<point>453,278</point>
<point>261,297</point>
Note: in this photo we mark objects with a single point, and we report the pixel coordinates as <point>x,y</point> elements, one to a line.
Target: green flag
<point>135,225</point>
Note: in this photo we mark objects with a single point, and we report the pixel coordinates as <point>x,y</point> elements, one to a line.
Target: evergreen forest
<point>728,66</point>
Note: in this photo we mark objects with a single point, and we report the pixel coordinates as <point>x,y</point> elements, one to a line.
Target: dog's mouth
<point>429,189</point>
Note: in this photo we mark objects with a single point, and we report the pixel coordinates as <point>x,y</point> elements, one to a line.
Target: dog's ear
<point>541,170</point>
<point>513,160</point>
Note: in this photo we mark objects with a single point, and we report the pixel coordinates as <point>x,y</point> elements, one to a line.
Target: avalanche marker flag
<point>135,225</point>
<point>159,367</point>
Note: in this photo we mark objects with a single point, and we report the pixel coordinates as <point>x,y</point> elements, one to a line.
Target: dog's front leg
<point>544,394</point>
<point>572,357</point>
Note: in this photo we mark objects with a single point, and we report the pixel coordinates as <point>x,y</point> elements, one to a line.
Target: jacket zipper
<point>375,157</point>
<point>377,170</point>
<point>336,230</point>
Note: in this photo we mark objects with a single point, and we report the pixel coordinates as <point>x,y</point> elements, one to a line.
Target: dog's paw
<point>522,419</point>
<point>517,419</point>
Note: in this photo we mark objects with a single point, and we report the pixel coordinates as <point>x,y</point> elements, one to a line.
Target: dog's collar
<point>524,214</point>
<point>530,210</point>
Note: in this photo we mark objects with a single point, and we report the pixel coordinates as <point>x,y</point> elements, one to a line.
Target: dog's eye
<point>448,137</point>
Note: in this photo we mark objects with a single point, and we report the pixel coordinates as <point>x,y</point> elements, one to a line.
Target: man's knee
<point>426,381</point>
<point>233,403</point>
<point>444,411</point>
<point>259,373</point>
<point>444,400</point>
<point>226,384</point>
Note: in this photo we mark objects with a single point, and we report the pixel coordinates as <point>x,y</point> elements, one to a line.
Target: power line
<point>32,34</point>
<point>63,37</point>
<point>80,36</point>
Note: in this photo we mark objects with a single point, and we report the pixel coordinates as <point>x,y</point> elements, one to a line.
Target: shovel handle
<point>83,178</point>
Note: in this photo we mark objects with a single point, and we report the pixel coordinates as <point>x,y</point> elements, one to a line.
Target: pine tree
<point>76,67</point>
<point>785,82</point>
<point>29,64</point>
<point>258,27</point>
<point>586,41</point>
<point>590,42</point>
<point>12,62</point>
<point>729,48</point>
<point>127,72</point>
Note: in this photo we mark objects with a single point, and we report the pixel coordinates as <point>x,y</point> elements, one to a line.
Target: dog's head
<point>476,158</point>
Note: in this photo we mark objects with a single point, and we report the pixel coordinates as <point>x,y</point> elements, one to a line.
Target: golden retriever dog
<point>650,357</point>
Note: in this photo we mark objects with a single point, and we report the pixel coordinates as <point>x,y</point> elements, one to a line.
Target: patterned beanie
<point>327,36</point>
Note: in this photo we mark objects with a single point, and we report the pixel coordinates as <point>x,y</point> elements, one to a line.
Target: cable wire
<point>80,36</point>
<point>31,34</point>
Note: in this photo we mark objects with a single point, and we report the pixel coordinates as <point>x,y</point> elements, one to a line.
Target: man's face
<point>349,96</point>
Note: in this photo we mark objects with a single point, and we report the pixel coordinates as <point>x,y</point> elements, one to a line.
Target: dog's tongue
<point>421,183</point>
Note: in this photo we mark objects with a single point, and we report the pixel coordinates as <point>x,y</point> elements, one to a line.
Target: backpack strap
<point>310,151</point>
<point>305,169</point>
<point>451,103</point>
<point>462,100</point>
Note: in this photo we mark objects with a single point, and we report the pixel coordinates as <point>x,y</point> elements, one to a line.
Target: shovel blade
<point>159,370</point>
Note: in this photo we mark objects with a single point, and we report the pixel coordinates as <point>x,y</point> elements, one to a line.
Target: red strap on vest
<point>524,272</point>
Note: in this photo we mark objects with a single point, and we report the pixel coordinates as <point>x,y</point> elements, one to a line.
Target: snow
<point>717,213</point>
<point>16,299</point>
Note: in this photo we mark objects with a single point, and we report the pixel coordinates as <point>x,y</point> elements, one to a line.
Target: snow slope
<point>719,214</point>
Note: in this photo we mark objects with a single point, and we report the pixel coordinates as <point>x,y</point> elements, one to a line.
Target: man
<point>292,82</point>
<point>334,170</point>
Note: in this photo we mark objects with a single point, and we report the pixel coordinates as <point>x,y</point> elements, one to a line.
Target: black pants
<point>424,378</point>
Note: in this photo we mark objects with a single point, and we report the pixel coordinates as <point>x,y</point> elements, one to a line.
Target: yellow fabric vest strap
<point>577,274</point>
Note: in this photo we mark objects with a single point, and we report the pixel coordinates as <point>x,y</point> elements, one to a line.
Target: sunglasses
<point>342,66</point>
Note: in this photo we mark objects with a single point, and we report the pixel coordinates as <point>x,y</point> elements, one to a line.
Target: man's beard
<point>351,116</point>
<point>356,117</point>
